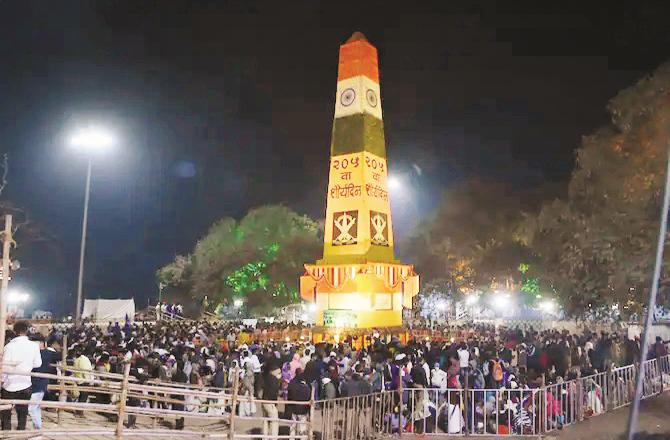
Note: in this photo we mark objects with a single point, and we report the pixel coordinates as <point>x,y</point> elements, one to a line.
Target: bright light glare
<point>359,302</point>
<point>17,297</point>
<point>471,300</point>
<point>394,183</point>
<point>547,306</point>
<point>441,305</point>
<point>500,301</point>
<point>238,303</point>
<point>312,307</point>
<point>93,139</point>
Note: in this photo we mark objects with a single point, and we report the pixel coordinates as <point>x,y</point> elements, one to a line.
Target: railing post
<point>233,404</point>
<point>62,396</point>
<point>400,404</point>
<point>606,392</point>
<point>465,402</point>
<point>311,416</point>
<point>580,396</point>
<point>122,400</point>
<point>542,399</point>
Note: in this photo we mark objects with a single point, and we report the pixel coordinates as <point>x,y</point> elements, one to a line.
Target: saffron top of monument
<point>358,282</point>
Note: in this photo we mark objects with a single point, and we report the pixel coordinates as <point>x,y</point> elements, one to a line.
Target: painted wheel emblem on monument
<point>347,97</point>
<point>371,96</point>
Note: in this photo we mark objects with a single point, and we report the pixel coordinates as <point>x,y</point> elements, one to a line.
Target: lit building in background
<point>358,283</point>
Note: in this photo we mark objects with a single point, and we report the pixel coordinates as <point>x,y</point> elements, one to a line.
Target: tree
<point>177,277</point>
<point>470,241</point>
<point>597,246</point>
<point>258,259</point>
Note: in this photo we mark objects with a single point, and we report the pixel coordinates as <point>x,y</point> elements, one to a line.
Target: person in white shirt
<point>463,356</point>
<point>455,422</point>
<point>21,356</point>
<point>438,378</point>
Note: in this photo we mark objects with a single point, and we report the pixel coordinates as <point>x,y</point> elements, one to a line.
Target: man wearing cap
<point>329,391</point>
<point>400,360</point>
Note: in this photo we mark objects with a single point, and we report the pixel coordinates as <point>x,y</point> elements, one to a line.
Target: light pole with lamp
<point>89,140</point>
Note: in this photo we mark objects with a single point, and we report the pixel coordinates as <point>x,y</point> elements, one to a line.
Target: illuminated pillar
<point>358,224</point>
<point>358,283</point>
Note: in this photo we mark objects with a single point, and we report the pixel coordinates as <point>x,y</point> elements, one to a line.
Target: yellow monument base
<point>359,296</point>
<point>358,337</point>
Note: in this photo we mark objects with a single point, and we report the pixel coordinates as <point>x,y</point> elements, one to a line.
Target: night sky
<point>221,106</point>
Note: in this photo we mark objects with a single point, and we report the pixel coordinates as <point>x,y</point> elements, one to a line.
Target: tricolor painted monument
<point>358,283</point>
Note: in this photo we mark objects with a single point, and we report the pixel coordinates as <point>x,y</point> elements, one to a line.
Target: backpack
<point>497,371</point>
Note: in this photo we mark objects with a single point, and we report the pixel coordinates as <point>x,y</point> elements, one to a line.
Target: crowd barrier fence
<point>424,411</point>
<point>482,412</point>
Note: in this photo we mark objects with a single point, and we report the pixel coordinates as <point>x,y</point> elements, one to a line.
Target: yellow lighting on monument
<point>358,283</point>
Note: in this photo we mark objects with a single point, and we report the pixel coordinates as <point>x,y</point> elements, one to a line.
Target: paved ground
<point>654,419</point>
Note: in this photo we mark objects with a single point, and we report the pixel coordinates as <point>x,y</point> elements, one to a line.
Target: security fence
<point>426,411</point>
<point>480,412</point>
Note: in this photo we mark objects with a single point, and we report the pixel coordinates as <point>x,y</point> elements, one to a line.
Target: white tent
<point>104,310</point>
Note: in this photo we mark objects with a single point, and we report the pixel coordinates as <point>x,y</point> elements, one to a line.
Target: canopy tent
<point>104,310</point>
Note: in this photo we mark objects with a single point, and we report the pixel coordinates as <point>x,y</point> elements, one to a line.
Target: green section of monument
<point>356,133</point>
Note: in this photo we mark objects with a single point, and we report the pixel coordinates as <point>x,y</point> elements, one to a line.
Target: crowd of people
<point>220,355</point>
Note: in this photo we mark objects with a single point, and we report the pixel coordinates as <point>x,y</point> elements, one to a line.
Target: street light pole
<point>82,250</point>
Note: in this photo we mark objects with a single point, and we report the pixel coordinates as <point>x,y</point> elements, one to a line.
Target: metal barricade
<point>593,395</point>
<point>621,386</point>
<point>504,412</point>
<point>652,384</point>
<point>358,417</point>
<point>664,366</point>
<point>433,411</point>
<point>485,412</point>
<point>430,411</point>
<point>561,405</point>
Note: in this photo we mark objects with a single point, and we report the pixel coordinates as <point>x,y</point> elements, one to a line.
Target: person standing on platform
<point>271,388</point>
<point>82,364</point>
<point>49,356</point>
<point>298,391</point>
<point>21,356</point>
<point>179,377</point>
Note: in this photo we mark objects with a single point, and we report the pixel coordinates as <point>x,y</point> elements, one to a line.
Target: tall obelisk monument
<point>358,283</point>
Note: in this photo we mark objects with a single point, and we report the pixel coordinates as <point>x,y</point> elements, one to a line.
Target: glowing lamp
<point>92,139</point>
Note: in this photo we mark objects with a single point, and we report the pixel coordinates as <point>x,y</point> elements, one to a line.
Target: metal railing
<point>428,411</point>
<point>481,412</point>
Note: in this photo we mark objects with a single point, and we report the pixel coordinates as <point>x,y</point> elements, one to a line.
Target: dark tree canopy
<point>470,241</point>
<point>592,247</point>
<point>597,245</point>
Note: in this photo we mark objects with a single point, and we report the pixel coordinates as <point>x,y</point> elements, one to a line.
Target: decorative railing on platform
<point>187,405</point>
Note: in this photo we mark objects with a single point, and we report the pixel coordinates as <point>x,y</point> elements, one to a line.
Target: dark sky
<point>225,105</point>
